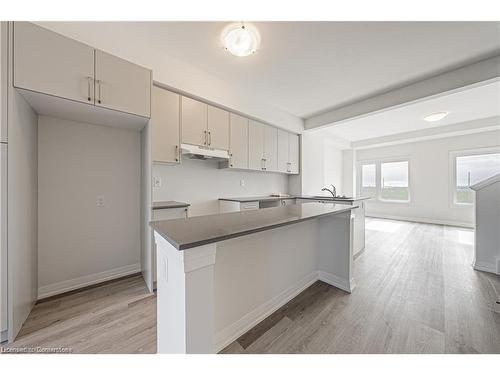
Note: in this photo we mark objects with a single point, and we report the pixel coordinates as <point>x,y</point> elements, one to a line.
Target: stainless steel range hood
<point>203,153</point>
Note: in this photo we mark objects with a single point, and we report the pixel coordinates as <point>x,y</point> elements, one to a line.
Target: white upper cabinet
<point>294,153</point>
<point>283,151</point>
<point>238,142</point>
<point>121,85</point>
<point>194,122</point>
<point>165,126</point>
<point>255,145</point>
<point>50,63</point>
<point>218,128</point>
<point>270,148</point>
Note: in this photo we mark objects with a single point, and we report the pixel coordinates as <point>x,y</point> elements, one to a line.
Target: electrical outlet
<point>100,201</point>
<point>157,182</point>
<point>242,182</point>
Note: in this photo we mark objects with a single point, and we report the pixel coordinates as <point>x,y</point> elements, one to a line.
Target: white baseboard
<point>83,281</point>
<point>423,220</point>
<point>344,284</point>
<point>486,267</point>
<point>230,333</point>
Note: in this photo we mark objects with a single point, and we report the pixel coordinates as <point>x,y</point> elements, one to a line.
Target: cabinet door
<point>193,122</point>
<point>165,126</point>
<point>238,141</point>
<point>50,63</point>
<point>122,85</point>
<point>294,152</point>
<point>218,128</point>
<point>255,145</point>
<point>283,148</point>
<point>270,148</point>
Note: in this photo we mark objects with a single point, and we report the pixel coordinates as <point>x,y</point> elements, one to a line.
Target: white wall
<point>201,183</point>
<point>429,178</point>
<point>80,243</point>
<point>321,165</point>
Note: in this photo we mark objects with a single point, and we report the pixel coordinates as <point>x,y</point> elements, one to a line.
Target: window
<point>471,168</point>
<point>394,181</point>
<point>385,180</point>
<point>369,180</point>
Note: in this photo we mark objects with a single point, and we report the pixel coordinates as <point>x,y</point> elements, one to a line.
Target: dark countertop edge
<point>168,204</point>
<point>354,199</point>
<point>257,199</point>
<point>260,199</point>
<point>246,232</point>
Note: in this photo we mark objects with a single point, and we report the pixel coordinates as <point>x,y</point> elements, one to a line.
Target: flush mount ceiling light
<point>240,39</point>
<point>433,117</point>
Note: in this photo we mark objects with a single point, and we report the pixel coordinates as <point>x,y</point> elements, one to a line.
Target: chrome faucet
<point>333,192</point>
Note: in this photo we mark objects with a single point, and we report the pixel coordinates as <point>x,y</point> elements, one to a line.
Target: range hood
<point>203,153</point>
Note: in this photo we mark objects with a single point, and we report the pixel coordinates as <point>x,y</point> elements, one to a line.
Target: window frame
<point>452,181</point>
<point>378,177</point>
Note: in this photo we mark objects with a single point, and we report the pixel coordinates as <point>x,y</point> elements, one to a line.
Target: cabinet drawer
<point>249,206</point>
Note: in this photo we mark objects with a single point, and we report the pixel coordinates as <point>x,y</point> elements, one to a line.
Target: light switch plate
<point>157,182</point>
<point>100,201</point>
<point>242,182</point>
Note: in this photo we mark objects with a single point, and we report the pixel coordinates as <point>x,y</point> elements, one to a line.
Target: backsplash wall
<point>201,183</point>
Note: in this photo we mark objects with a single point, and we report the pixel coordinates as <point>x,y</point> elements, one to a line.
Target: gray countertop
<point>169,204</point>
<point>269,198</point>
<point>201,230</point>
<point>255,199</point>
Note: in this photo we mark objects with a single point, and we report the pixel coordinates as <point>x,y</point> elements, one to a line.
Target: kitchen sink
<point>331,198</point>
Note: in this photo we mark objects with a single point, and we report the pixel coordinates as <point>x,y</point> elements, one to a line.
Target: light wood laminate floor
<point>416,293</point>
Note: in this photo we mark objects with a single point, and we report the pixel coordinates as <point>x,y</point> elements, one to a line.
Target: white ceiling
<point>309,67</point>
<point>467,105</point>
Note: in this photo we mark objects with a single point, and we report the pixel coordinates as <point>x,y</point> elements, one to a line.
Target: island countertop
<point>201,230</point>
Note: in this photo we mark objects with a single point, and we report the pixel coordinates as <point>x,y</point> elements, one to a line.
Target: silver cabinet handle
<point>99,91</point>
<point>89,79</point>
<point>205,133</point>
<point>209,138</point>
<point>177,153</point>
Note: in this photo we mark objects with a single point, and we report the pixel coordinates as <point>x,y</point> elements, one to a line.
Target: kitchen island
<point>219,275</point>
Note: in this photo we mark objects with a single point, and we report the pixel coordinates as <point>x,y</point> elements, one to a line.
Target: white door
<point>255,145</point>
<point>194,122</point>
<point>165,126</point>
<point>3,80</point>
<point>294,152</point>
<point>270,148</point>
<point>122,85</point>
<point>238,142</point>
<point>52,64</point>
<point>218,128</point>
<point>283,148</point>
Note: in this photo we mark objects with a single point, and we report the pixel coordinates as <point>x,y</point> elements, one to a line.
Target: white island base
<point>210,295</point>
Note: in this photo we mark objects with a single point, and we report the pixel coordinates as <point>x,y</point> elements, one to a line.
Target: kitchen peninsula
<point>219,275</point>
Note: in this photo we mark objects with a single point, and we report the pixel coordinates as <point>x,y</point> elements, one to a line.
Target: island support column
<point>335,250</point>
<point>185,307</point>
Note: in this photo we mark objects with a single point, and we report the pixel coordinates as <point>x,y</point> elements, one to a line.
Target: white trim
<point>83,281</point>
<point>485,267</point>
<point>451,223</point>
<point>487,182</point>
<point>230,333</point>
<point>378,177</point>
<point>345,285</point>
<point>452,172</point>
